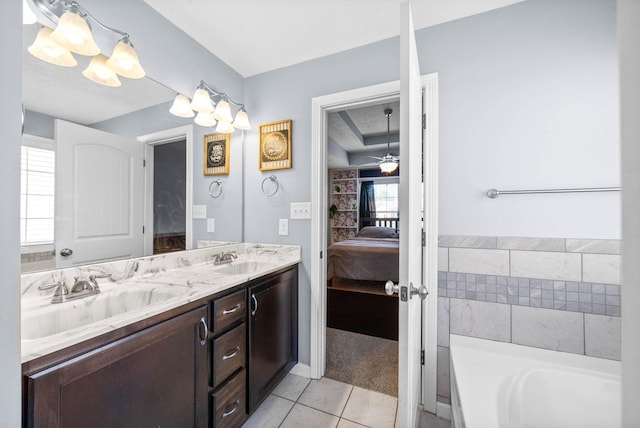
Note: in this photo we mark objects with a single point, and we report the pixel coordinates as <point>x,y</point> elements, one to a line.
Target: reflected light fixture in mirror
<point>73,34</point>
<point>46,49</point>
<point>210,112</point>
<point>98,71</point>
<point>28,17</point>
<point>181,106</point>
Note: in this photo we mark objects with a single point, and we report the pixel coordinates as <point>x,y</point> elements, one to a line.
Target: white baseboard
<point>301,370</point>
<point>443,410</point>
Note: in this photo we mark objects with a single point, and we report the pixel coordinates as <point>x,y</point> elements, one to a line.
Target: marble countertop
<point>150,285</point>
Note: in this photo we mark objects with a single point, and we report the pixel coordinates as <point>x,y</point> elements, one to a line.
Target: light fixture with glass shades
<point>210,113</point>
<point>73,34</point>
<point>387,163</point>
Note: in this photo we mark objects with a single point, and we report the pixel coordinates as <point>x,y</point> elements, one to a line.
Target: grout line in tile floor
<point>318,410</point>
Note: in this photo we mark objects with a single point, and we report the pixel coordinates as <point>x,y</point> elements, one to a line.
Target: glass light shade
<point>388,166</point>
<point>201,101</point>
<point>99,72</point>
<point>205,118</point>
<point>47,50</point>
<point>223,111</point>
<point>28,17</point>
<point>73,33</point>
<point>224,127</point>
<point>242,120</point>
<point>124,60</point>
<point>181,106</point>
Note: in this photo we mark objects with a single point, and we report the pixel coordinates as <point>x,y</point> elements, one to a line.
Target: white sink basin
<point>56,318</point>
<point>244,267</point>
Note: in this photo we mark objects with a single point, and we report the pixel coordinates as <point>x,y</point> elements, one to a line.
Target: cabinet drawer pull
<point>230,412</point>
<point>231,355</point>
<point>230,311</point>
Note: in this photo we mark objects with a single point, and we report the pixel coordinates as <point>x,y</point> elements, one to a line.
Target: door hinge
<point>143,229</point>
<point>422,357</point>
<point>424,238</point>
<point>320,254</point>
<point>144,163</point>
<point>424,121</point>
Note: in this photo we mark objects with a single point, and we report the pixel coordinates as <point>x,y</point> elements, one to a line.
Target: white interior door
<point>410,201</point>
<point>99,196</point>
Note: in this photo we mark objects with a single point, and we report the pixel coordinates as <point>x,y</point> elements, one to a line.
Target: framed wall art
<point>274,145</point>
<point>216,154</point>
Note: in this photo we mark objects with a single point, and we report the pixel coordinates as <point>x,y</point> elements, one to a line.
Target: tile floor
<point>324,403</point>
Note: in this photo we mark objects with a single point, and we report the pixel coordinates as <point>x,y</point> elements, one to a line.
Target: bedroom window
<point>36,195</point>
<point>386,200</point>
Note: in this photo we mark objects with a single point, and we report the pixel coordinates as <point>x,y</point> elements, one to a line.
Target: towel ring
<point>273,179</point>
<point>215,195</point>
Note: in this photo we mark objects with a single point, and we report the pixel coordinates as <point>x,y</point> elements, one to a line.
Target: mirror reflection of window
<point>37,194</point>
<point>37,202</point>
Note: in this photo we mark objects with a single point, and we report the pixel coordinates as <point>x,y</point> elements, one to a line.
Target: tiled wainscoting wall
<point>553,293</point>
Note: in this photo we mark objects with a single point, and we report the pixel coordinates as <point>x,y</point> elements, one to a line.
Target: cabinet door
<point>144,380</point>
<point>273,347</point>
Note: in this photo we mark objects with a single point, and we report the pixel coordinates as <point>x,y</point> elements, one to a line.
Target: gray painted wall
<point>10,125</point>
<point>527,98</point>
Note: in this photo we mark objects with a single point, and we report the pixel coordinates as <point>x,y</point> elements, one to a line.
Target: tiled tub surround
<point>559,294</point>
<point>192,272</point>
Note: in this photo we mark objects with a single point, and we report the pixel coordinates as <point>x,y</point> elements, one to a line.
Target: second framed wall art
<point>216,154</point>
<point>274,145</point>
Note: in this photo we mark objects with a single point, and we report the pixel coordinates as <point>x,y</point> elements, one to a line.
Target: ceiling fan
<point>388,162</point>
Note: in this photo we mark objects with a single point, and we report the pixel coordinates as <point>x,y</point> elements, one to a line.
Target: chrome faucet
<point>223,258</point>
<point>81,288</point>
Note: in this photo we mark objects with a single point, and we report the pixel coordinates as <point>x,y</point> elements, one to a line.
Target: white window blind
<point>386,197</point>
<point>37,195</point>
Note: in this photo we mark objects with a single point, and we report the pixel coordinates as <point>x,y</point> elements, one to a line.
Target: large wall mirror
<point>59,102</point>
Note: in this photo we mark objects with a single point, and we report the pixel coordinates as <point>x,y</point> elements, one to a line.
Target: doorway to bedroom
<point>362,237</point>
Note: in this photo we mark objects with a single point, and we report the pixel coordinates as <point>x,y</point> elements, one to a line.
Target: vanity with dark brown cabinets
<point>208,363</point>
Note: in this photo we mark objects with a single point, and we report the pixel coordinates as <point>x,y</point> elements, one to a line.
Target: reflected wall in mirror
<point>59,101</point>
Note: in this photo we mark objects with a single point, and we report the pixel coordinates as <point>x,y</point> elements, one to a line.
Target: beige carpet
<point>365,361</point>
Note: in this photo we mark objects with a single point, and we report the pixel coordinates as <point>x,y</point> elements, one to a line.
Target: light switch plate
<point>199,211</point>
<point>283,226</point>
<point>211,225</point>
<point>300,210</point>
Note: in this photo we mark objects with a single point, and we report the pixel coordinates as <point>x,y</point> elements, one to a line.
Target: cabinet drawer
<point>228,403</point>
<point>228,354</point>
<point>227,310</point>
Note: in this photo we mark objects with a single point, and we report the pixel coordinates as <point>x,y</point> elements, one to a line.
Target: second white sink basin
<point>244,267</point>
<point>56,318</point>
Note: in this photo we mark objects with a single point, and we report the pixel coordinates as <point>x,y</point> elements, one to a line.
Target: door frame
<point>155,139</point>
<point>320,107</point>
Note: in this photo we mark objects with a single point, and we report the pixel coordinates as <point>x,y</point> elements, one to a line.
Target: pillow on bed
<point>377,232</point>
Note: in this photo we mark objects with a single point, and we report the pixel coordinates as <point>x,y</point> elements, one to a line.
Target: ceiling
<point>255,36</point>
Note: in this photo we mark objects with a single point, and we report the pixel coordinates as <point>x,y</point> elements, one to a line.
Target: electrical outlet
<point>300,210</point>
<point>283,226</point>
<point>211,225</point>
<point>199,211</point>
